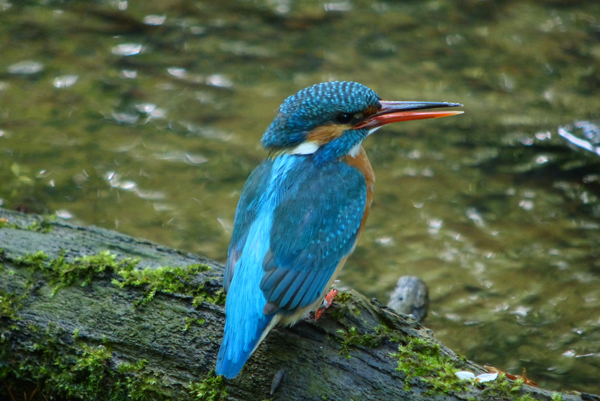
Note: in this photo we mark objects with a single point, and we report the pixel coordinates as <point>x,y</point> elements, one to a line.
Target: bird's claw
<point>326,303</point>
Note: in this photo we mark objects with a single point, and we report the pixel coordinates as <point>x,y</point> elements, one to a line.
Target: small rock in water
<point>411,297</point>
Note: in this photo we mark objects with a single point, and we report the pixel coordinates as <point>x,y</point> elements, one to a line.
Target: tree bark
<point>74,325</point>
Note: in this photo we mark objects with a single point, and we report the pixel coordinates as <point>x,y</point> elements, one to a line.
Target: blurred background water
<point>145,117</point>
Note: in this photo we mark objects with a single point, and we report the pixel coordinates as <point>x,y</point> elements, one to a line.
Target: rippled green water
<point>146,118</point>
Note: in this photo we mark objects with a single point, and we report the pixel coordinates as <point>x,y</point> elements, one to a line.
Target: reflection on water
<point>147,118</point>
<point>583,134</point>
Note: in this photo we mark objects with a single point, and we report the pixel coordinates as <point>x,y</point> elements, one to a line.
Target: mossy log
<point>87,313</point>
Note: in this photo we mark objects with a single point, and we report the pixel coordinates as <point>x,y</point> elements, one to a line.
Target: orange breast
<point>361,162</point>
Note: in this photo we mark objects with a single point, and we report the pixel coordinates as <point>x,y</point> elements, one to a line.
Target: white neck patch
<point>305,148</point>
<point>373,130</point>
<point>310,147</point>
<point>355,149</point>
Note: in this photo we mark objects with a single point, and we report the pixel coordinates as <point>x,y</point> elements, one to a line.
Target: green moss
<point>421,359</point>
<point>387,332</point>
<point>193,320</point>
<point>212,388</point>
<point>127,367</point>
<point>503,388</point>
<point>35,260</point>
<point>557,397</point>
<point>135,384</point>
<point>353,338</point>
<point>44,226</point>
<point>86,376</point>
<point>344,301</point>
<point>83,373</point>
<point>526,397</point>
<point>217,299</point>
<point>60,368</point>
<point>80,270</point>
<point>9,304</point>
<point>342,297</point>
<point>167,279</point>
<point>63,368</point>
<point>516,385</point>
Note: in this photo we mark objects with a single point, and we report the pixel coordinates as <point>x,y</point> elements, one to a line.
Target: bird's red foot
<point>326,303</point>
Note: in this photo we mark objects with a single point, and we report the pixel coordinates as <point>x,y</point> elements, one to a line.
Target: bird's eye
<point>344,118</point>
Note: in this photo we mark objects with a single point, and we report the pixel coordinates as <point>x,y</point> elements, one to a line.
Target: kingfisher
<point>302,209</point>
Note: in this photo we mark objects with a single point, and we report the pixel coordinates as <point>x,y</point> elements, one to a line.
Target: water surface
<point>146,118</point>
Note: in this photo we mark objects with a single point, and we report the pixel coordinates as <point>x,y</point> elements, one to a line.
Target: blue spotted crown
<point>315,106</point>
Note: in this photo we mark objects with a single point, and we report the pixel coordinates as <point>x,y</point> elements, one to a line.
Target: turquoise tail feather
<point>245,323</point>
<point>233,355</point>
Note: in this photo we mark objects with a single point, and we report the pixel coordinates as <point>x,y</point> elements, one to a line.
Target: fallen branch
<point>87,313</point>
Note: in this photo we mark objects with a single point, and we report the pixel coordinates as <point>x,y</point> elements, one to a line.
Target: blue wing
<point>315,225</point>
<point>245,214</point>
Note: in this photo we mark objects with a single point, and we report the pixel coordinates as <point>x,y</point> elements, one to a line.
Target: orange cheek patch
<point>326,133</point>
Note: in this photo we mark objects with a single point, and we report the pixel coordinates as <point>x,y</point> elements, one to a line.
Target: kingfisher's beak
<point>392,112</point>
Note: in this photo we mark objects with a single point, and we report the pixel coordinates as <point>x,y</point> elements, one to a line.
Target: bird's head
<point>331,119</point>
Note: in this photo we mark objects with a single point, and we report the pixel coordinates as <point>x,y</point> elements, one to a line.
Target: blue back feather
<point>314,226</point>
